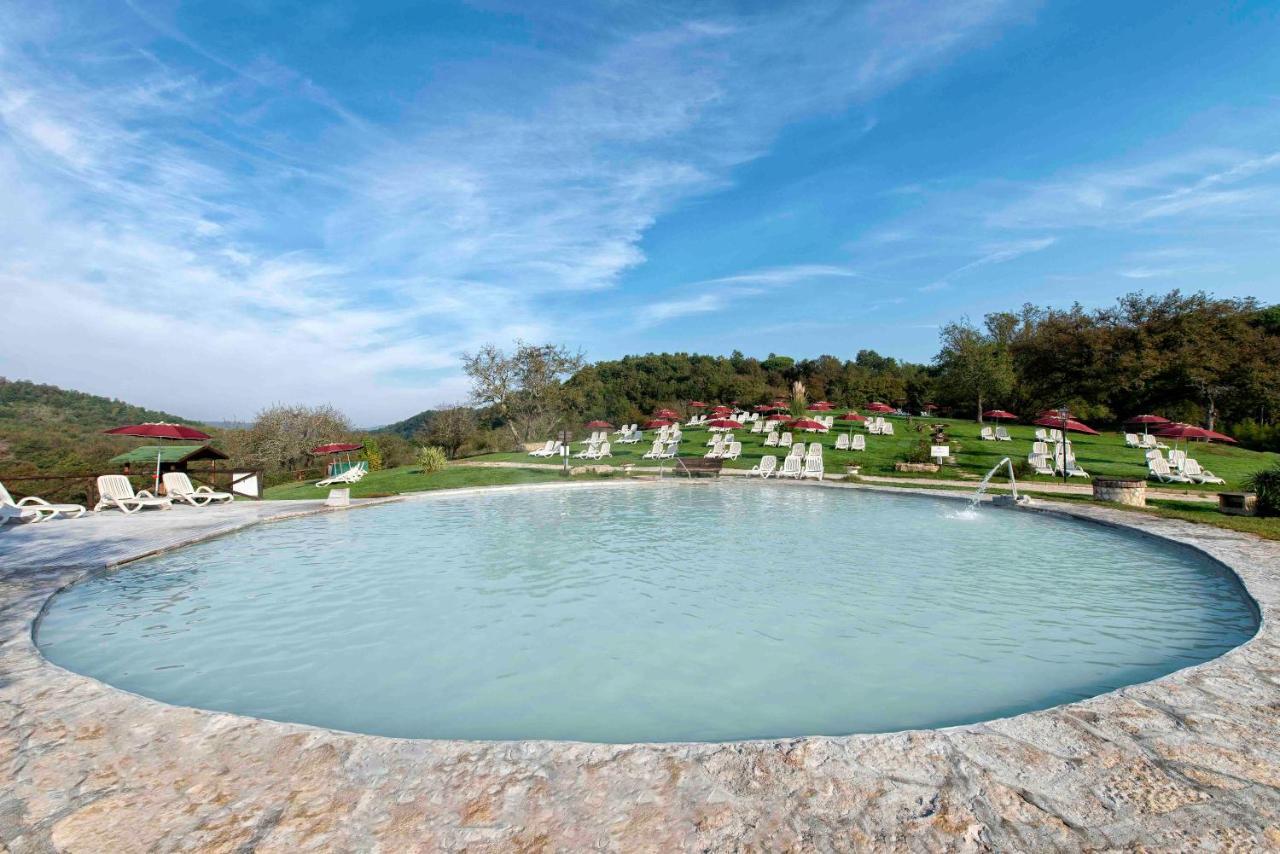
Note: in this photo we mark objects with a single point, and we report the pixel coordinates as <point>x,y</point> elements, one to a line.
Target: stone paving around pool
<point>1191,760</point>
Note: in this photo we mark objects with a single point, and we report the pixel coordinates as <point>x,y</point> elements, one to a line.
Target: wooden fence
<point>82,487</point>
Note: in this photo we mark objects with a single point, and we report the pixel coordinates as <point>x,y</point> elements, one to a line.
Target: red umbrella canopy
<point>666,413</point>
<point>1147,419</point>
<point>158,430</point>
<point>877,406</point>
<point>999,414</point>
<point>820,406</point>
<point>656,423</point>
<point>595,424</point>
<point>724,424</point>
<point>763,408</point>
<point>335,448</point>
<point>853,416</point>
<point>806,424</point>
<point>697,404</point>
<point>1071,424</point>
<point>1191,431</point>
<point>929,407</point>
<point>721,408</point>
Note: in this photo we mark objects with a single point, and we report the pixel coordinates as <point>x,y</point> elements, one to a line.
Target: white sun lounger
<point>732,452</point>
<point>655,452</point>
<point>35,509</point>
<point>544,451</point>
<point>812,467</point>
<point>1002,435</point>
<point>791,467</point>
<point>842,442</point>
<point>1039,463</point>
<point>784,441</point>
<point>858,443</point>
<point>115,490</point>
<point>351,475</point>
<point>178,487</point>
<point>771,441</point>
<point>767,466</point>
<point>986,434</point>
<point>1191,468</point>
<point>1158,469</point>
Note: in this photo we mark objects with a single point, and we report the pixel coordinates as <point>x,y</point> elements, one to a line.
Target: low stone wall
<point>1121,491</point>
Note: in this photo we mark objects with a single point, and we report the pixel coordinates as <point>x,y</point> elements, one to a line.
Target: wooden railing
<point>82,487</point>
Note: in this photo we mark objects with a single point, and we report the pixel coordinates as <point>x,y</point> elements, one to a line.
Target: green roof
<point>168,454</point>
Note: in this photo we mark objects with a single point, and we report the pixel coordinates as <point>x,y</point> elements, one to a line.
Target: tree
<point>974,365</point>
<point>280,436</point>
<point>450,429</point>
<point>525,387</point>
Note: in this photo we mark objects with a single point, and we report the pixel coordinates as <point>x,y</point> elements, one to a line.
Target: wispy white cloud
<point>719,293</point>
<point>156,186</point>
<point>994,254</point>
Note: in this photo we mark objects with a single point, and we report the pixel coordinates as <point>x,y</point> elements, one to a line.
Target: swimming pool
<point>656,612</point>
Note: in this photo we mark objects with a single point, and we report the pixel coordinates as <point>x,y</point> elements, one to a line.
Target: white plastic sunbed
<point>35,509</point>
<point>791,467</point>
<point>655,452</point>
<point>858,443</point>
<point>1002,435</point>
<point>115,490</point>
<point>351,475</point>
<point>178,487</point>
<point>812,467</point>
<point>732,452</point>
<point>842,442</point>
<point>544,451</point>
<point>1159,469</point>
<point>767,466</point>
<point>1191,468</point>
<point>986,434</point>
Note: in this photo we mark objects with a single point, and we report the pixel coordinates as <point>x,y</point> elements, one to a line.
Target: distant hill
<point>410,426</point>
<point>54,429</point>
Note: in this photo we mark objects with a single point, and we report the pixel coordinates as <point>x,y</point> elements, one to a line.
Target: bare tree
<point>525,387</point>
<point>281,435</point>
<point>450,428</point>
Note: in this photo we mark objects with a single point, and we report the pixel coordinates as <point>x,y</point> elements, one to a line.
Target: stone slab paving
<point>1189,761</point>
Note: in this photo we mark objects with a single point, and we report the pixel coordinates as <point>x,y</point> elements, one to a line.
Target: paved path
<point>102,539</point>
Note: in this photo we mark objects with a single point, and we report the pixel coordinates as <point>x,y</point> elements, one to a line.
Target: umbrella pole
<point>156,487</point>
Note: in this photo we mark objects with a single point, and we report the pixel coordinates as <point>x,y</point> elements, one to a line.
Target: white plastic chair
<point>35,509</point>
<point>115,490</point>
<point>767,466</point>
<point>178,487</point>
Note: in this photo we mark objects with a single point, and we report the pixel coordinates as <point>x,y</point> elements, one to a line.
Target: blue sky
<point>210,207</point>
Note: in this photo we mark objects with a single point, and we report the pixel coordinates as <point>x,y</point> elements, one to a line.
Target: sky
<point>211,207</point>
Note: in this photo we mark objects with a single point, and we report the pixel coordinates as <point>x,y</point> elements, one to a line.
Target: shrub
<point>431,459</point>
<point>373,454</point>
<point>1266,484</point>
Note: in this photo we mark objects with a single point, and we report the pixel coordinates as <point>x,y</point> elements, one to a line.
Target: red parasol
<point>724,424</point>
<point>697,404</point>
<point>666,413</point>
<point>1191,431</point>
<point>853,416</point>
<point>820,406</point>
<point>656,423</point>
<point>1067,424</point>
<point>806,424</point>
<point>334,448</point>
<point>1147,419</point>
<point>999,415</point>
<point>158,430</point>
<point>877,406</point>
<point>593,425</point>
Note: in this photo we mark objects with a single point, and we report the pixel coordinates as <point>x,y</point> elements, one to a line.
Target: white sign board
<point>940,451</point>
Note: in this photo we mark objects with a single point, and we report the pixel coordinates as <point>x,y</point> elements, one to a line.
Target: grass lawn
<point>1098,455</point>
<point>411,479</point>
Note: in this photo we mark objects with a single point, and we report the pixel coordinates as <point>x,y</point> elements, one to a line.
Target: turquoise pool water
<point>650,613</point>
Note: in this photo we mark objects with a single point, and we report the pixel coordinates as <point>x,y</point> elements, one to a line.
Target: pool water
<point>650,612</point>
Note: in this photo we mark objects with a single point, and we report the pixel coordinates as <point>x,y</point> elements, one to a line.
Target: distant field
<point>1098,455</point>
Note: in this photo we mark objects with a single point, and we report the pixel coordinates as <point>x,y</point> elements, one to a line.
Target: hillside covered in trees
<point>46,428</point>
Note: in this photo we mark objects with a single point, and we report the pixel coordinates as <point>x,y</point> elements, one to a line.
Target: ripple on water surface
<point>655,613</point>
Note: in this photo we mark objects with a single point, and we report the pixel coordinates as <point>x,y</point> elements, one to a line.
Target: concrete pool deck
<point>1191,760</point>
